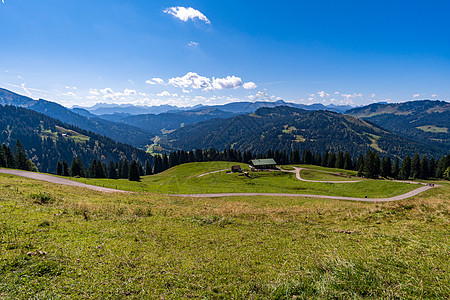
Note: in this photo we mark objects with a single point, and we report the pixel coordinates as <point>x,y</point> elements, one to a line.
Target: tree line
<point>370,165</point>
<point>114,170</point>
<point>16,159</point>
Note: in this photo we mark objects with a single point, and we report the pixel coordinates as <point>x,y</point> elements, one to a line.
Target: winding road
<point>63,181</point>
<point>58,180</point>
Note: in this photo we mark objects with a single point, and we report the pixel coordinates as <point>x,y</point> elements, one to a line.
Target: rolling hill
<point>424,121</point>
<point>120,132</point>
<point>47,140</point>
<point>165,122</point>
<point>286,128</point>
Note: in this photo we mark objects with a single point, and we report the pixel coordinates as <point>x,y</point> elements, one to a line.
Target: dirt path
<point>58,180</point>
<point>298,170</point>
<point>201,175</point>
<point>63,181</point>
<point>396,198</point>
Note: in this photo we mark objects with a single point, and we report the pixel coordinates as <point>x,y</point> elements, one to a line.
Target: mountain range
<point>120,132</point>
<point>48,140</point>
<point>287,128</point>
<point>394,129</point>
<point>425,121</point>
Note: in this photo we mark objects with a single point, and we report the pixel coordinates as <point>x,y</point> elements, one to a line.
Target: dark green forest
<point>286,129</point>
<point>47,141</point>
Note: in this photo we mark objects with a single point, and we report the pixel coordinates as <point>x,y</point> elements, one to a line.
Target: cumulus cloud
<point>352,96</point>
<point>415,96</point>
<point>195,81</point>
<point>193,44</point>
<point>109,94</point>
<point>434,96</point>
<point>250,85</point>
<point>191,80</point>
<point>163,94</point>
<point>155,81</point>
<point>186,13</point>
<point>72,94</point>
<point>322,94</point>
<point>230,82</point>
<point>128,92</point>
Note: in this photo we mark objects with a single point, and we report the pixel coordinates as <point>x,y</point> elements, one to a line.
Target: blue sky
<point>210,52</point>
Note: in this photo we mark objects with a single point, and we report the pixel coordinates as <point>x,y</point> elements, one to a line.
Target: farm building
<point>261,164</point>
<point>236,169</point>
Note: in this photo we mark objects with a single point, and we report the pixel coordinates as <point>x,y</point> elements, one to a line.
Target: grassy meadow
<point>59,242</point>
<point>183,179</point>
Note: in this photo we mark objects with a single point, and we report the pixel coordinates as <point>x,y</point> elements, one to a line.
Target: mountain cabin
<point>263,164</point>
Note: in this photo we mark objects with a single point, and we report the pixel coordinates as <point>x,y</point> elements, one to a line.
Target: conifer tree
<point>134,172</point>
<point>20,157</point>
<point>65,168</point>
<point>148,168</point>
<point>348,161</point>
<point>59,169</point>
<point>405,170</point>
<point>396,168</point>
<point>386,167</point>
<point>424,168</point>
<point>415,167</point>
<point>125,169</point>
<point>112,172</point>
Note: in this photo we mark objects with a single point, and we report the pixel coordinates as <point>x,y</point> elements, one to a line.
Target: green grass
<point>322,176</point>
<point>84,244</point>
<point>432,128</point>
<point>183,180</point>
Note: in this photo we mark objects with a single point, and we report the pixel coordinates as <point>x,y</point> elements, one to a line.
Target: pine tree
<point>134,172</point>
<point>2,157</point>
<point>405,170</point>
<point>424,168</point>
<point>415,167</point>
<point>125,169</point>
<point>112,172</point>
<point>148,168</point>
<point>432,169</point>
<point>65,168</point>
<point>396,168</point>
<point>340,160</point>
<point>20,157</point>
<point>386,167</point>
<point>59,169</point>
<point>348,161</point>
<point>11,162</point>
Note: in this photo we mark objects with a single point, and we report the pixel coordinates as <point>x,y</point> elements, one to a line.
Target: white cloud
<point>352,96</point>
<point>191,80</point>
<point>322,94</point>
<point>434,96</point>
<point>128,92</point>
<point>186,13</point>
<point>259,95</point>
<point>155,81</point>
<point>193,44</point>
<point>71,87</point>
<point>94,92</point>
<point>164,94</point>
<point>250,85</point>
<point>230,82</point>
<point>72,94</point>
<point>373,95</point>
<point>415,96</point>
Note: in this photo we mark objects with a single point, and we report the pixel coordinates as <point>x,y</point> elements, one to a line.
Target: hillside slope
<point>119,132</point>
<point>425,121</point>
<point>47,140</point>
<point>168,121</point>
<point>286,128</point>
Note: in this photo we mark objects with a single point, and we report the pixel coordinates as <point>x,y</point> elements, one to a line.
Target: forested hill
<point>120,132</point>
<point>168,121</point>
<point>285,128</point>
<point>47,140</point>
<point>425,121</point>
